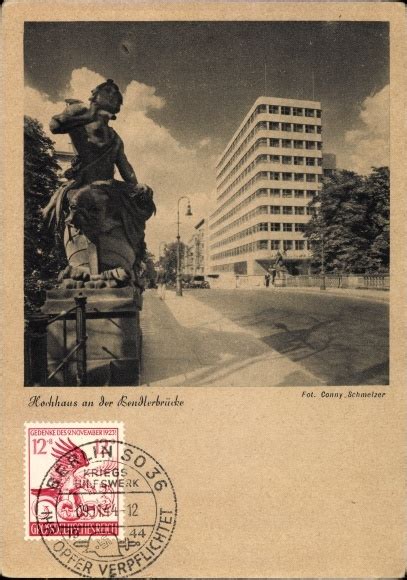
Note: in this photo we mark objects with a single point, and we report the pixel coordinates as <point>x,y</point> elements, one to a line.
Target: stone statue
<point>102,219</point>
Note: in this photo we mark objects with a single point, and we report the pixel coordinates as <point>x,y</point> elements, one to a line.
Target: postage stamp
<point>103,507</point>
<point>69,502</point>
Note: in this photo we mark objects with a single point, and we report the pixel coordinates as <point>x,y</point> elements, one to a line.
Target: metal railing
<point>36,349</point>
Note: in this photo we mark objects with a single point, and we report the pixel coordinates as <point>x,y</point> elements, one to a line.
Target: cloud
<point>368,144</point>
<point>169,167</point>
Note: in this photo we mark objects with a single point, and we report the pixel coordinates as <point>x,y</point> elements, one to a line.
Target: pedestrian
<point>267,280</point>
<point>273,275</point>
<point>161,282</point>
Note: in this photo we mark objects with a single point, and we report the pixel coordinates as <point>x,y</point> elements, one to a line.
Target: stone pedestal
<point>113,346</point>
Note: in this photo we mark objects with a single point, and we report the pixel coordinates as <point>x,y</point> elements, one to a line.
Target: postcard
<point>204,321</point>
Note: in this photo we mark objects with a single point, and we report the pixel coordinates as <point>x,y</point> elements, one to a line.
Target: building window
<point>274,142</point>
<point>287,176</point>
<point>275,158</point>
<point>262,245</point>
<point>274,175</point>
<point>311,193</point>
<point>275,192</point>
<point>275,209</point>
<point>299,244</point>
<point>262,193</point>
<point>275,227</point>
<point>299,193</point>
<point>298,128</point>
<point>319,145</point>
<point>274,109</point>
<point>319,113</point>
<point>287,210</point>
<point>263,227</point>
<point>319,129</point>
<point>261,109</point>
<point>298,111</point>
<point>310,161</point>
<point>287,227</point>
<point>274,126</point>
<point>310,144</point>
<point>299,211</point>
<point>287,143</point>
<point>310,128</point>
<point>310,211</point>
<point>287,193</point>
<point>298,160</point>
<point>286,110</point>
<point>300,227</point>
<point>262,209</point>
<point>287,244</point>
<point>311,177</point>
<point>309,113</point>
<point>287,160</point>
<point>299,177</point>
<point>286,126</point>
<point>298,144</point>
<point>275,244</point>
<point>261,142</point>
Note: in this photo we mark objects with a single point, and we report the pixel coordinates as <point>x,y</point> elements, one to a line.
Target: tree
<point>169,260</point>
<point>150,272</point>
<point>349,229</point>
<point>43,257</point>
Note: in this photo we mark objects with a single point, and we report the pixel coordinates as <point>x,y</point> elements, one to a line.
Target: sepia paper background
<point>269,484</point>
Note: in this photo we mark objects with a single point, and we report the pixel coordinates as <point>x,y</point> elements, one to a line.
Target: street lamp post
<point>179,278</point>
<point>323,280</point>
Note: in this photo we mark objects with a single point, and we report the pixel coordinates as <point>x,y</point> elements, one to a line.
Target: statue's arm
<point>69,119</point>
<point>124,167</point>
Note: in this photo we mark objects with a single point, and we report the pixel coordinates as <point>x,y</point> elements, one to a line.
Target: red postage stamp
<point>70,475</point>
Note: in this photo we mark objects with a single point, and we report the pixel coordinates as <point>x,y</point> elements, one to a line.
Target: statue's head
<point>107,96</point>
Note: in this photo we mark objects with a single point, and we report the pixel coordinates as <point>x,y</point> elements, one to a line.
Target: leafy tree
<point>43,257</point>
<point>349,230</point>
<point>169,260</point>
<point>150,272</point>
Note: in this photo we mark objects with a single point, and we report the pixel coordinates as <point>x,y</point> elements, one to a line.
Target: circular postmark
<point>105,509</point>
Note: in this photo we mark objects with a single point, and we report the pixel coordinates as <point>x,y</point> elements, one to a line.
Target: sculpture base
<point>113,347</point>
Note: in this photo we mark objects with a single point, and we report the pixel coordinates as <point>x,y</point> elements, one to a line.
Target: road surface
<point>340,340</point>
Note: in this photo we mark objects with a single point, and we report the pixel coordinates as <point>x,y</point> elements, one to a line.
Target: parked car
<point>198,282</point>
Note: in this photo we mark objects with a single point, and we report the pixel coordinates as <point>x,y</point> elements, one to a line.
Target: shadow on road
<point>342,342</point>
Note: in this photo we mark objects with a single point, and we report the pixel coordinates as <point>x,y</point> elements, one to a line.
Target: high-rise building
<point>266,177</point>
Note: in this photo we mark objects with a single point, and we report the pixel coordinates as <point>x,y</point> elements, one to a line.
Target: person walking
<point>273,276</point>
<point>161,282</point>
<point>267,280</point>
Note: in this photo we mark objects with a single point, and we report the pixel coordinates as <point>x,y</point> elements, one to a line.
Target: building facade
<point>266,177</point>
<point>197,250</point>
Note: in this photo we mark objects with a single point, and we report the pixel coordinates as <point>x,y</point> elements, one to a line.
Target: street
<point>321,338</point>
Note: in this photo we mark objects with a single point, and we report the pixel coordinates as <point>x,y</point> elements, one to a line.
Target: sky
<point>188,85</point>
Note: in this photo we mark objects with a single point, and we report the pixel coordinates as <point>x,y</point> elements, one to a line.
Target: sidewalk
<point>186,343</point>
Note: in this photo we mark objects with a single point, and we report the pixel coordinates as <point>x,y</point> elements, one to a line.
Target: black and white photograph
<point>207,203</point>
